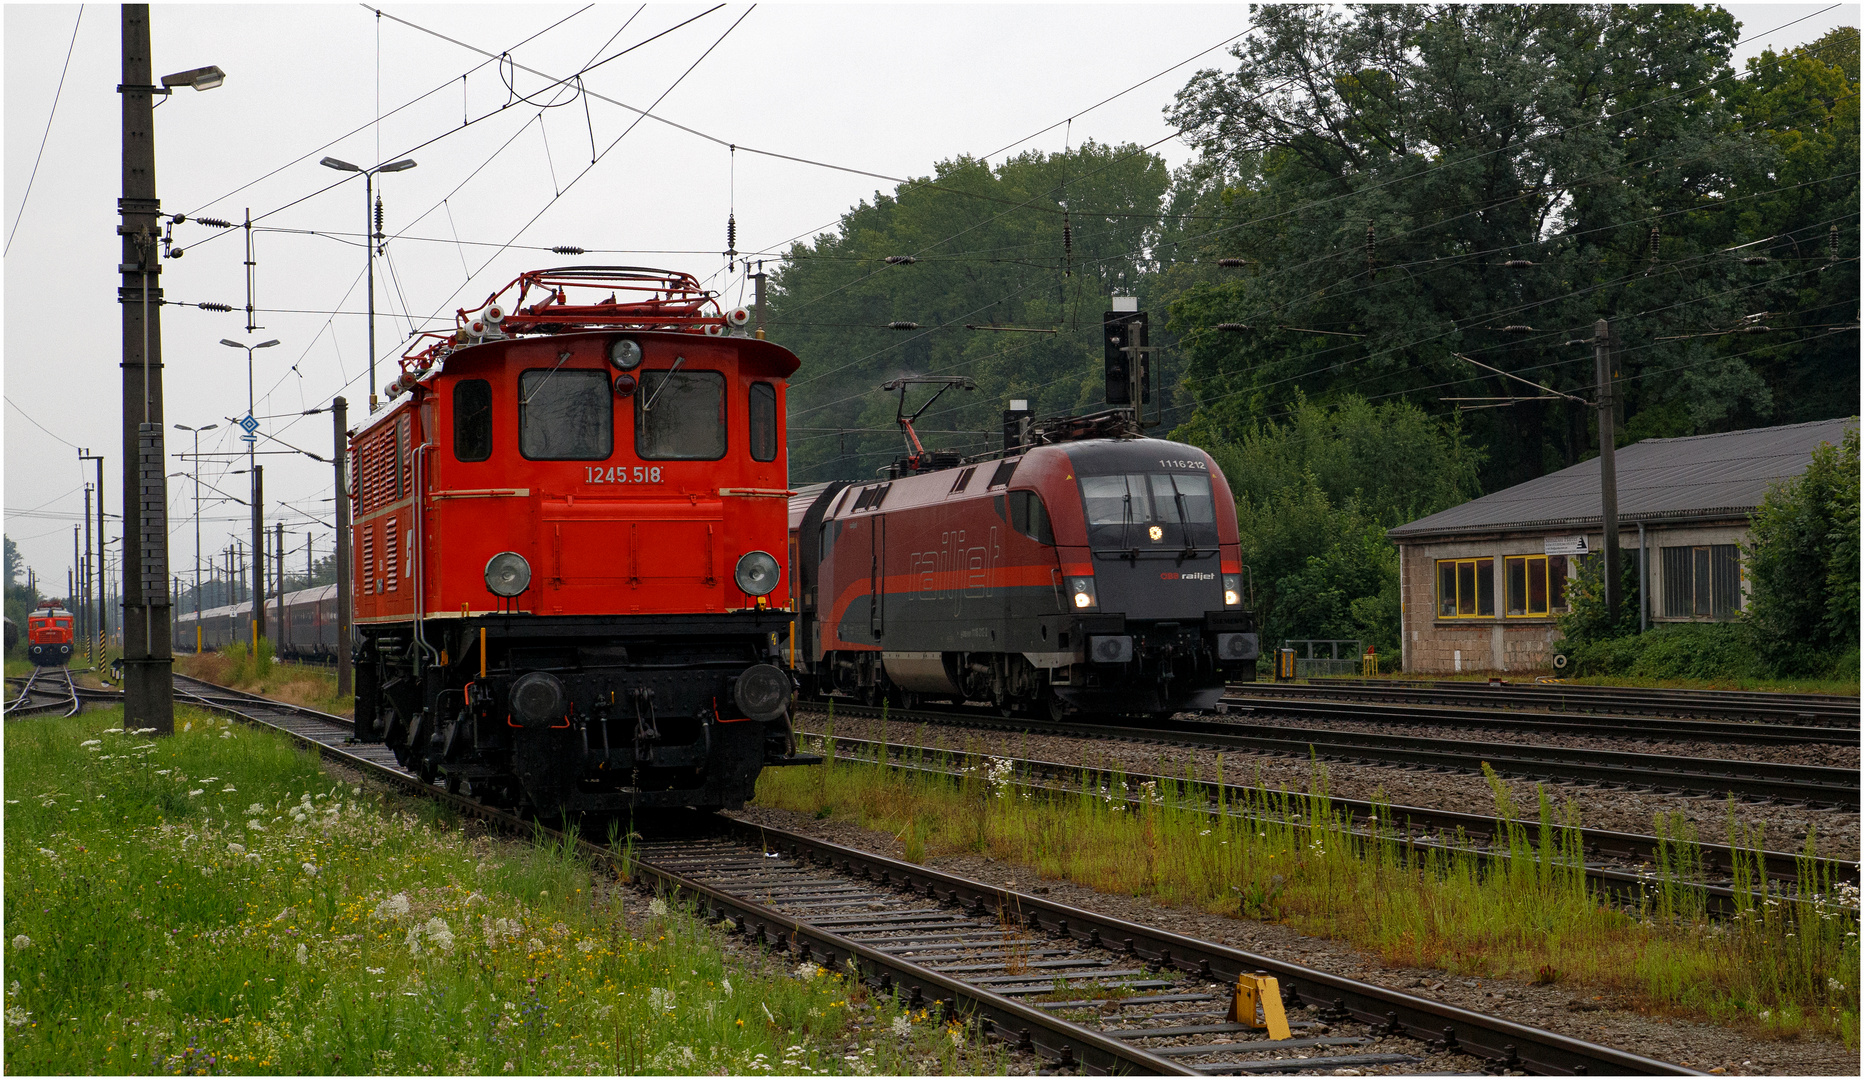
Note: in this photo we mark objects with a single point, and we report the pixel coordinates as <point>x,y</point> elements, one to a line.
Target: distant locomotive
<point>49,635</point>
<point>563,549</point>
<point>1095,571</point>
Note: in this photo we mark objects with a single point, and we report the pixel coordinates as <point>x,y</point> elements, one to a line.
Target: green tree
<point>1314,496</point>
<point>1038,242</point>
<point>1375,170</point>
<point>1802,565</point>
<point>20,599</point>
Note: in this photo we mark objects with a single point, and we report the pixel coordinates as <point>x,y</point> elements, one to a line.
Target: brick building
<point>1480,584</point>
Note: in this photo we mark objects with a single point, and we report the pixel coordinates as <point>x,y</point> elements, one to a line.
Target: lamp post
<point>258,492</point>
<point>371,237</point>
<point>148,651</point>
<point>197,514</point>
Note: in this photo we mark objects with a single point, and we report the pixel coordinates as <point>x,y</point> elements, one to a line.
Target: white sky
<point>888,89</point>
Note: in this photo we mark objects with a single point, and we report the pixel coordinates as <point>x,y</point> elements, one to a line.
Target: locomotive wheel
<point>905,699</point>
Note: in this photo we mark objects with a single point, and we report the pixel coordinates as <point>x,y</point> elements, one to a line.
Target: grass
<point>1295,859</point>
<point>240,667</point>
<point>214,903</point>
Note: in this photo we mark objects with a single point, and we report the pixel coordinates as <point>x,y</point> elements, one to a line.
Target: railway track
<point>1749,705</point>
<point>1617,864</point>
<point>1811,785</point>
<point>1496,717</point>
<point>46,690</point>
<point>1125,998</point>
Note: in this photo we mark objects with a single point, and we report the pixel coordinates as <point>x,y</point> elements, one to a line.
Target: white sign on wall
<point>1566,545</point>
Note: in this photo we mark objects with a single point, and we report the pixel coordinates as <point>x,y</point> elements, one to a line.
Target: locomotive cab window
<point>472,420</point>
<point>1164,510</point>
<point>1029,517</point>
<point>565,415</point>
<point>680,416</point>
<point>763,422</point>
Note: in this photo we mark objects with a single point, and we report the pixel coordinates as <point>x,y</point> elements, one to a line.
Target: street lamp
<point>371,237</point>
<point>251,425</point>
<point>197,516</point>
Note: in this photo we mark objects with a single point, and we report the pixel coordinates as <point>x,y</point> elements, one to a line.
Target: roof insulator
<point>1755,260</point>
<point>567,249</point>
<point>1518,264</point>
<point>209,305</point>
<point>1231,262</point>
<point>902,326</point>
<point>1232,326</point>
<point>901,260</point>
<point>1757,329</point>
<point>1517,329</point>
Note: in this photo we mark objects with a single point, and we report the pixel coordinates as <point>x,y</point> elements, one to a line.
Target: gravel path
<point>1619,811</point>
<point>1570,1011</point>
<point>1840,757</point>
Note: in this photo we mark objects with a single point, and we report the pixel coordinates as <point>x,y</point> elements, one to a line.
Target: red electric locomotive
<point>49,635</point>
<point>563,549</point>
<point>1095,571</point>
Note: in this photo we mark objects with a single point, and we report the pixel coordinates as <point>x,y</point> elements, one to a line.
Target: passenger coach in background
<point>563,549</point>
<point>1095,571</point>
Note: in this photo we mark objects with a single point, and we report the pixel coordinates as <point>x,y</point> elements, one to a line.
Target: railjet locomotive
<point>1094,571</point>
<point>564,545</point>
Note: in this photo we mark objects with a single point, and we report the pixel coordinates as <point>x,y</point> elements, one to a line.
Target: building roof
<point>1707,476</point>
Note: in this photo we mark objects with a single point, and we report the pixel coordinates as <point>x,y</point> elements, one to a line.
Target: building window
<point>1465,588</point>
<point>1536,585</point>
<point>1701,581</point>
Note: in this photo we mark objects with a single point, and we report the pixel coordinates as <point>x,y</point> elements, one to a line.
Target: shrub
<point>1675,651</point>
<point>1802,564</point>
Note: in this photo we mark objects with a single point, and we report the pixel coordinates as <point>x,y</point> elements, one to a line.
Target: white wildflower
<point>22,942</point>
<point>957,1035</point>
<point>228,790</point>
<point>375,971</point>
<point>395,907</point>
<point>255,825</point>
<point>536,945</point>
<point>156,995</point>
<point>48,853</point>
<point>902,1025</point>
<point>807,970</point>
<point>256,808</point>
<point>413,941</point>
<point>309,868</point>
<point>17,1017</point>
<point>440,934</point>
<point>661,999</point>
<point>163,772</point>
<point>188,726</point>
<point>13,991</point>
<point>92,742</point>
<point>195,792</point>
<point>585,946</point>
<point>656,907</point>
<point>304,954</point>
<point>237,849</point>
<point>724,985</point>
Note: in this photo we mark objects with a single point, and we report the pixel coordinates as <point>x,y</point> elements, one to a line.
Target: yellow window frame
<point>1523,573</point>
<point>1465,588</point>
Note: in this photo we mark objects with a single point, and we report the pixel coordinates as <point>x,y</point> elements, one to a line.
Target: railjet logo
<point>1173,575</point>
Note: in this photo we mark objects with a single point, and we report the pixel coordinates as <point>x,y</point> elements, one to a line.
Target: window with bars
<point>1535,585</point>
<point>1465,588</point>
<point>1701,581</point>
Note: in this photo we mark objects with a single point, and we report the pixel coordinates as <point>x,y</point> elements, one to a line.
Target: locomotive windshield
<point>680,416</point>
<point>565,415</point>
<point>1145,510</point>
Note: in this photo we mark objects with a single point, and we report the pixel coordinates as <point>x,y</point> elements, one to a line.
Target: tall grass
<point>214,903</point>
<point>1296,858</point>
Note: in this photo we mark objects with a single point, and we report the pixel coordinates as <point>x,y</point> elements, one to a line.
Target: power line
<point>56,95</point>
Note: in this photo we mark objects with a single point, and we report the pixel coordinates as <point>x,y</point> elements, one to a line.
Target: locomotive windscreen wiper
<point>648,405</point>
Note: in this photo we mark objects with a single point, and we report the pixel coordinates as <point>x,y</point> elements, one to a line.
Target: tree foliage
<point>1381,166</point>
<point>1314,496</point>
<point>990,250</point>
<point>1802,565</point>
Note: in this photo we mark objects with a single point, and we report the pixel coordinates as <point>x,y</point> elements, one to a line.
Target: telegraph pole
<point>339,412</point>
<point>148,693</point>
<point>258,554</point>
<point>278,593</point>
<point>1608,467</point>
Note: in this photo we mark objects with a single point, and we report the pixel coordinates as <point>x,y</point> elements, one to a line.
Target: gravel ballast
<point>1600,808</point>
<point>1570,1011</point>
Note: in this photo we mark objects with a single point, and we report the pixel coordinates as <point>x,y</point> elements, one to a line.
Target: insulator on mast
<point>1371,271</point>
<point>731,237</point>
<point>1067,245</point>
<point>213,222</point>
<point>378,217</point>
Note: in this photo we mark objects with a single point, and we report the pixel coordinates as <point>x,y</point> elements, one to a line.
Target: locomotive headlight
<point>625,353</point>
<point>1083,592</point>
<point>757,573</point>
<point>507,574</point>
<point>1232,590</point>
